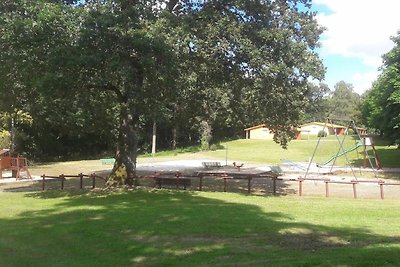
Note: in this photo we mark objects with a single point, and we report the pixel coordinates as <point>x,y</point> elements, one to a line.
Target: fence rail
<point>354,184</point>
<point>177,176</point>
<point>63,177</point>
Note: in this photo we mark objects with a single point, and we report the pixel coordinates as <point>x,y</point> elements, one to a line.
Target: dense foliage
<point>341,104</point>
<point>95,73</point>
<point>381,108</point>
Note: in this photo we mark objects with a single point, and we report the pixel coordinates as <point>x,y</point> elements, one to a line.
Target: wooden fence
<point>354,184</point>
<point>63,177</point>
<point>178,179</point>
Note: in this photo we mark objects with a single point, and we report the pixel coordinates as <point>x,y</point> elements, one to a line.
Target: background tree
<point>317,107</point>
<point>381,107</point>
<point>344,103</point>
<point>223,64</point>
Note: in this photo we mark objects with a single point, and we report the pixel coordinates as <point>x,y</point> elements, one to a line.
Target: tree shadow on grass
<point>160,227</point>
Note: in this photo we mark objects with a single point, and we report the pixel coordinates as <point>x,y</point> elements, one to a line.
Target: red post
<point>249,184</point>
<point>177,180</point>
<point>326,187</point>
<point>224,184</point>
<point>274,185</point>
<point>62,181</point>
<point>301,186</point>
<point>381,188</point>
<point>93,180</point>
<point>201,182</point>
<point>44,177</point>
<point>81,180</point>
<point>354,189</point>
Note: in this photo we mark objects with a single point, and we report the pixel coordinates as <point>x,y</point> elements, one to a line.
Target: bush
<point>322,133</point>
<point>5,139</point>
<point>215,147</point>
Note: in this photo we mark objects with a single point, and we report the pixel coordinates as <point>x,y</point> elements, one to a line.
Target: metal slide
<point>359,144</point>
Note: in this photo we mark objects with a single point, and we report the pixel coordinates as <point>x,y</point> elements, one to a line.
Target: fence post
<point>300,186</point>
<point>249,178</point>
<point>326,187</point>
<point>81,180</point>
<point>62,181</point>
<point>177,180</point>
<point>354,189</point>
<point>93,180</point>
<point>381,188</point>
<point>200,182</point>
<point>274,185</point>
<point>224,184</point>
<point>44,177</point>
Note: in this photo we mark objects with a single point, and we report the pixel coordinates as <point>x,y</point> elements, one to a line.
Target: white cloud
<point>359,29</point>
<point>363,81</point>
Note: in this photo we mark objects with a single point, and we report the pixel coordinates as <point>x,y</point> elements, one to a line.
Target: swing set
<point>363,142</point>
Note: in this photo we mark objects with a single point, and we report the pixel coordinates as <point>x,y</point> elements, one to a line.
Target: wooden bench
<point>172,181</point>
<point>211,164</point>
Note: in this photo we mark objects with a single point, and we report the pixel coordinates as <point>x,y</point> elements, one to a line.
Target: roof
<point>4,151</point>
<point>256,127</point>
<point>327,125</point>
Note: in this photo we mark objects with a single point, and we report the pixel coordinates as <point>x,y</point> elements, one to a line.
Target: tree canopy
<point>381,108</point>
<point>344,103</point>
<point>105,70</point>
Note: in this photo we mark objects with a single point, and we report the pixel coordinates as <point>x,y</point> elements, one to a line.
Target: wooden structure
<point>353,182</point>
<point>62,178</point>
<point>249,176</point>
<point>313,128</point>
<point>5,161</point>
<point>259,132</point>
<point>368,141</point>
<point>16,164</point>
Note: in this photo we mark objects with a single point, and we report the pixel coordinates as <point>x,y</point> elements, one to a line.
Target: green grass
<point>171,228</point>
<point>267,151</point>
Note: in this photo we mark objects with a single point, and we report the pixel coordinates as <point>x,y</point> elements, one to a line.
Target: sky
<point>357,35</point>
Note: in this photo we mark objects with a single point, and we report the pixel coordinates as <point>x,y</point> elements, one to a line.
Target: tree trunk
<point>124,169</point>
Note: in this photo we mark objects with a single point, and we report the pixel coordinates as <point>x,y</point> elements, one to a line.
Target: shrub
<point>5,139</point>
<point>321,133</point>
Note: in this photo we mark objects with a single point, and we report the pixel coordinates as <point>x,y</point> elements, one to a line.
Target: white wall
<point>313,129</point>
<point>261,133</point>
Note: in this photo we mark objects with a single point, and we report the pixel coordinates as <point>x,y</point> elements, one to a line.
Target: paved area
<point>290,173</point>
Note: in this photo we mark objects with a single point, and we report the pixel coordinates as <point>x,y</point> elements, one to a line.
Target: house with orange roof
<point>260,131</point>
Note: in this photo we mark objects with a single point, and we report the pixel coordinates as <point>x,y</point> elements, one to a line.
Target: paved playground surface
<point>289,185</point>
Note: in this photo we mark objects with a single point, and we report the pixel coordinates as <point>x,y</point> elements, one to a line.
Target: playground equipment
<point>339,154</point>
<point>16,164</point>
<point>366,141</point>
<point>363,141</point>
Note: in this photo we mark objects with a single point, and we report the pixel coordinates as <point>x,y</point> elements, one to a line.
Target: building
<point>313,128</point>
<point>259,132</point>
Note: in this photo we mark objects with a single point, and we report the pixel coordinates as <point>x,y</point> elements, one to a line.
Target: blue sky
<point>358,34</point>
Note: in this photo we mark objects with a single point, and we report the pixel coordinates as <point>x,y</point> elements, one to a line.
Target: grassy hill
<point>267,151</point>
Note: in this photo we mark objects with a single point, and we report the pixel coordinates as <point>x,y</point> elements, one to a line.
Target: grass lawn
<point>175,228</point>
<point>267,151</point>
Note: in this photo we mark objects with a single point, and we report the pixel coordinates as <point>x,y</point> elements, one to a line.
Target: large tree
<point>225,63</point>
<point>344,103</point>
<point>381,106</point>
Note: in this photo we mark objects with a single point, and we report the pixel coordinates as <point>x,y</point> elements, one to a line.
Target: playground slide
<point>341,154</point>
